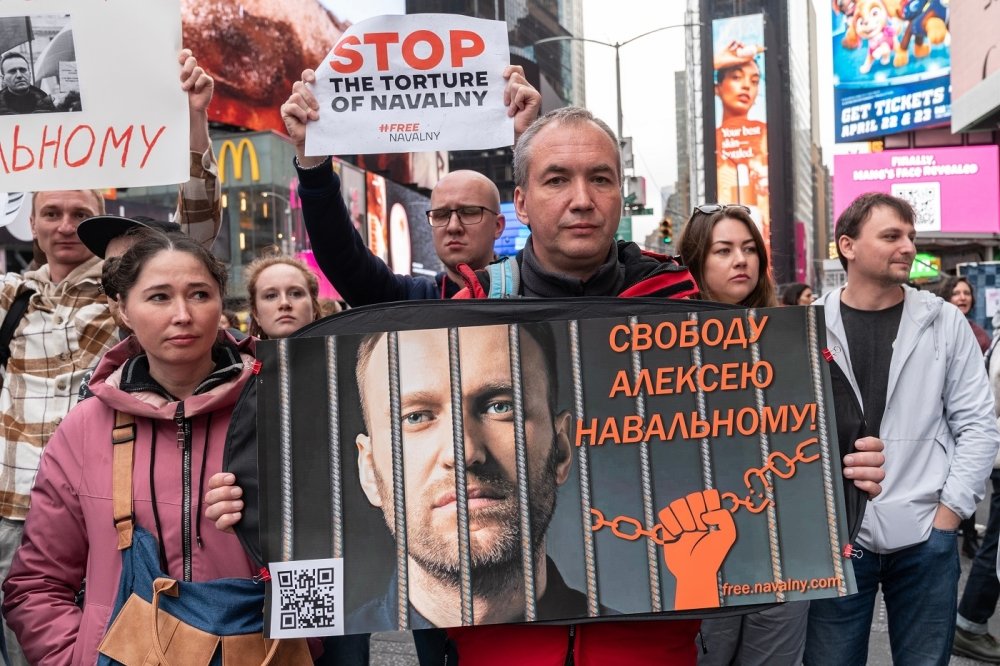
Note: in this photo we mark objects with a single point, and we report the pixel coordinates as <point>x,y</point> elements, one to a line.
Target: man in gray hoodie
<point>918,375</point>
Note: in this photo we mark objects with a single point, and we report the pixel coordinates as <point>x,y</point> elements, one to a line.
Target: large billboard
<point>741,116</point>
<point>952,190</point>
<point>891,66</point>
<point>975,52</point>
<point>256,49</point>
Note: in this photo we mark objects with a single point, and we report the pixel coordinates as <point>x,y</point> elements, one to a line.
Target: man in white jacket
<point>918,376</point>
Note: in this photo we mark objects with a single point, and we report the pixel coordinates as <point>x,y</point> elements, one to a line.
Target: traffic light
<point>667,229</point>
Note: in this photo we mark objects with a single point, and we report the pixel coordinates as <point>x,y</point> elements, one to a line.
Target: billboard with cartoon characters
<point>892,66</point>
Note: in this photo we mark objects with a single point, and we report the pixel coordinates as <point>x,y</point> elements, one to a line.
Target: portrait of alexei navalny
<point>555,470</point>
<point>38,72</point>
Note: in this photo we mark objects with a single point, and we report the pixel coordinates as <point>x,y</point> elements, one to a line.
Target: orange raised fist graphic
<point>698,535</point>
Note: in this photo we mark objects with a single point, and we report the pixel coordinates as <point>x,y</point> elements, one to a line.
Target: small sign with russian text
<point>91,96</point>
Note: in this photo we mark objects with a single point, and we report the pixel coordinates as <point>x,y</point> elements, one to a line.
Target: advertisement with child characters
<point>891,65</point>
<point>741,116</point>
<point>465,463</point>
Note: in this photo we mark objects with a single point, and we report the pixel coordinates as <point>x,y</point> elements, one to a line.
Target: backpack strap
<point>505,278</point>
<point>123,440</point>
<point>10,322</point>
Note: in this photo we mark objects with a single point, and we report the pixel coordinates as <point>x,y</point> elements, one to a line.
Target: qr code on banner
<point>926,201</point>
<point>307,598</point>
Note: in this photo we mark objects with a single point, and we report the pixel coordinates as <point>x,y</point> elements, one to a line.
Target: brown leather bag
<point>143,634</point>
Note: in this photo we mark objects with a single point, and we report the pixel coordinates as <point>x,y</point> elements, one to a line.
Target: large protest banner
<point>891,66</point>
<point>414,82</point>
<point>568,460</point>
<point>98,102</point>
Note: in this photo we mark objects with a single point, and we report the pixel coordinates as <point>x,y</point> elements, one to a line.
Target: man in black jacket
<point>17,95</point>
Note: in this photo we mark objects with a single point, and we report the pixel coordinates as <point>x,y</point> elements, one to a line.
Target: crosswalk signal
<point>667,229</point>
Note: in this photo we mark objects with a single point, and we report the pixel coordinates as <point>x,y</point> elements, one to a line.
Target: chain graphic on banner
<point>778,463</point>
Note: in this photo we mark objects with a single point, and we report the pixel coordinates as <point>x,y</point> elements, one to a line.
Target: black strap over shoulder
<point>10,322</point>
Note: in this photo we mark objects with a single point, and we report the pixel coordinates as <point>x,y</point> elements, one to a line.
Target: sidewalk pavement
<point>396,649</point>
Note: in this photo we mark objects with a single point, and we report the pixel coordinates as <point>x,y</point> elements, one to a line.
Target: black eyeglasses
<point>709,209</point>
<point>440,217</point>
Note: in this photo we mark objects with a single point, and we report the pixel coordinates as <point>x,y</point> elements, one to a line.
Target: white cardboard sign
<point>417,82</point>
<point>115,114</point>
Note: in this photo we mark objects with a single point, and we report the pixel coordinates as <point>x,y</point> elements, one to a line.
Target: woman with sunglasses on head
<point>724,251</point>
<point>149,438</point>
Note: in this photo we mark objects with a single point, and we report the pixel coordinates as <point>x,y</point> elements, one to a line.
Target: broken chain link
<point>775,461</point>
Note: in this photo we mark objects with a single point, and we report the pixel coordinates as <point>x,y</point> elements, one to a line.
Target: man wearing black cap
<point>111,236</point>
<point>67,324</point>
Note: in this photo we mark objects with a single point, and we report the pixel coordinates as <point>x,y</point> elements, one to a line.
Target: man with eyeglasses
<point>464,214</point>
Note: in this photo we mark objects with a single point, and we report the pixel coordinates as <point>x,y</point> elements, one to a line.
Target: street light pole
<point>286,227</point>
<point>618,63</point>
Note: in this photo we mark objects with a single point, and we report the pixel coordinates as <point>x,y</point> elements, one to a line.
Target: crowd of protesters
<point>124,370</point>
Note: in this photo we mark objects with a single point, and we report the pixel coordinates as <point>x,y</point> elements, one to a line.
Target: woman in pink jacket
<point>180,377</point>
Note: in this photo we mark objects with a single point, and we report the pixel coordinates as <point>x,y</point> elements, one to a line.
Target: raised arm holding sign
<point>359,276</point>
<point>412,83</point>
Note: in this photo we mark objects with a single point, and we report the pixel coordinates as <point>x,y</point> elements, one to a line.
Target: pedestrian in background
<point>797,293</point>
<point>284,296</point>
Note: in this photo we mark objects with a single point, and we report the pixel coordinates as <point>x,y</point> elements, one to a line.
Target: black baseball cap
<point>96,232</point>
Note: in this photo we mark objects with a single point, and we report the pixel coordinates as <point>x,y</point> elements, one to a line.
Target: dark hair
<point>232,318</point>
<point>790,294</point>
<point>566,115</point>
<point>252,274</point>
<point>696,243</point>
<point>854,216</point>
<point>540,332</point>
<point>120,274</point>
<point>10,55</point>
<point>948,286</point>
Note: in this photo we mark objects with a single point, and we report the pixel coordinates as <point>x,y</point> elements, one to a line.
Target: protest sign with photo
<point>91,94</point>
<point>562,460</point>
<point>409,83</point>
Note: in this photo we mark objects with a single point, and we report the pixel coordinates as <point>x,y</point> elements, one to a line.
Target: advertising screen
<point>891,67</point>
<point>951,189</point>
<point>741,116</point>
<point>515,233</point>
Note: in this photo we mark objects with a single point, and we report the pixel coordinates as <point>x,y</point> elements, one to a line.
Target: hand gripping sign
<point>396,84</point>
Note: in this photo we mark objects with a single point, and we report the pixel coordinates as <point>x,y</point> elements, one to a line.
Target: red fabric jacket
<point>70,532</point>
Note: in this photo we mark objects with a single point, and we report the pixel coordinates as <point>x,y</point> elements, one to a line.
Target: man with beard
<point>18,96</point>
<point>490,469</point>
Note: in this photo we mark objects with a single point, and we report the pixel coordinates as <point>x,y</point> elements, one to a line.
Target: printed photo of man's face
<point>427,428</point>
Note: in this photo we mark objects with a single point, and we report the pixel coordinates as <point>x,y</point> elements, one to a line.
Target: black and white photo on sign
<point>38,67</point>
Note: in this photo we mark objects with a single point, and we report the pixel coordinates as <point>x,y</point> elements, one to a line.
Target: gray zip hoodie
<point>939,430</point>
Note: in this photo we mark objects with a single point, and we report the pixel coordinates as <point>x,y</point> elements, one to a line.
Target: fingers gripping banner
<point>634,458</point>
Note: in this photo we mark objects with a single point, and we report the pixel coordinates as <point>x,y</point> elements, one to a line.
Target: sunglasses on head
<point>709,209</point>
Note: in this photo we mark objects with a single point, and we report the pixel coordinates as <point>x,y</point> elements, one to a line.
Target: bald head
<point>457,243</point>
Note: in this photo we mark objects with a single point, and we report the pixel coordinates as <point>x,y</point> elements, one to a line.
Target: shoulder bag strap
<point>123,440</point>
<point>10,322</point>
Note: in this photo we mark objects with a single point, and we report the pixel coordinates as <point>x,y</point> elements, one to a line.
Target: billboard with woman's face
<point>741,116</point>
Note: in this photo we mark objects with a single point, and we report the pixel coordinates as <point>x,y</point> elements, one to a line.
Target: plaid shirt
<point>65,330</point>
